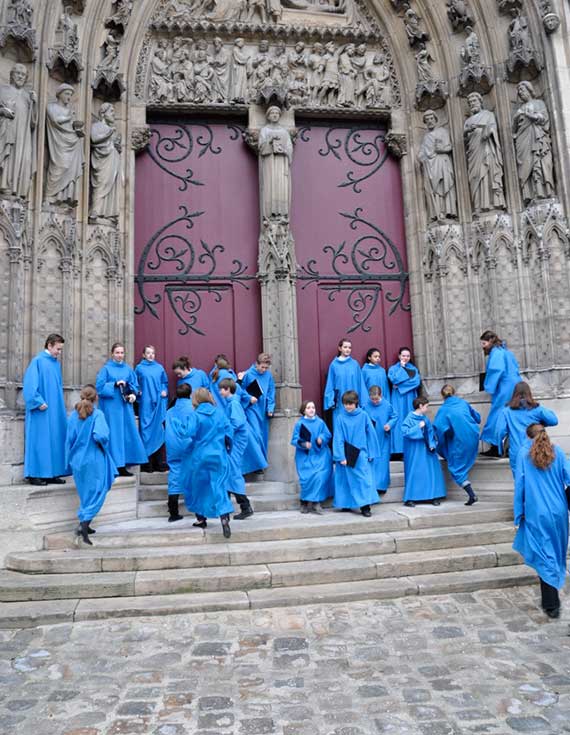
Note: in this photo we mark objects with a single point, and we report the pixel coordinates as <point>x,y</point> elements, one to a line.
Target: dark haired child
<point>383,418</point>
<point>313,459</point>
<point>262,402</point>
<point>374,374</point>
<point>194,377</point>
<point>344,374</point>
<point>405,379</point>
<point>179,420</point>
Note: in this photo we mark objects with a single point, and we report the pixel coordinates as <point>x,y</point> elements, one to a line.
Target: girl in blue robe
<point>344,375</point>
<point>117,386</point>
<point>313,459</point>
<point>456,426</point>
<point>152,400</point>
<point>501,376</point>
<point>87,453</point>
<point>519,413</point>
<point>541,513</point>
<point>46,418</point>
<point>374,374</point>
<point>179,420</point>
<point>423,478</point>
<point>185,373</point>
<point>207,495</point>
<point>384,419</point>
<point>354,441</point>
<point>405,379</point>
<point>261,409</point>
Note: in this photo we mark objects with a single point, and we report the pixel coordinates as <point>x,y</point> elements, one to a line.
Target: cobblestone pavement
<point>487,662</point>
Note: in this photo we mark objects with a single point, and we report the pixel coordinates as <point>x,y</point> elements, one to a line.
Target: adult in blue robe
<point>501,375</point>
<point>405,388</point>
<point>259,412</point>
<point>382,414</point>
<point>513,423</point>
<point>152,400</point>
<point>374,374</point>
<point>344,374</point>
<point>46,419</point>
<point>314,465</point>
<point>423,478</point>
<point>354,487</point>
<point>177,436</point>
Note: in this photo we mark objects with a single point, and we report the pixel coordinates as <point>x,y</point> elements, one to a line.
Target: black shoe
<point>89,529</point>
<point>84,532</point>
<point>200,524</point>
<point>366,512</point>
<point>397,457</point>
<point>316,509</point>
<point>435,502</point>
<point>161,468</point>
<point>410,504</point>
<point>39,481</point>
<point>244,514</point>
<point>56,481</point>
<point>381,493</point>
<point>146,467</point>
<point>174,515</point>
<point>304,506</point>
<point>173,519</point>
<point>493,452</point>
<point>472,500</point>
<point>553,613</point>
<point>123,472</point>
<point>226,530</point>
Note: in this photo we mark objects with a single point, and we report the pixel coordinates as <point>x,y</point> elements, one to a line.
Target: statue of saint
<point>65,147</point>
<point>437,165</point>
<point>105,165</point>
<point>275,155</point>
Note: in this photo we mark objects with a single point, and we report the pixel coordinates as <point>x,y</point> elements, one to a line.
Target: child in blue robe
<point>423,478</point>
<point>541,513</point>
<point>185,373</point>
<point>207,496</point>
<point>501,375</point>
<point>179,420</point>
<point>240,438</point>
<point>87,453</point>
<point>405,379</point>
<point>260,409</point>
<point>355,446</point>
<point>117,386</point>
<point>344,374</point>
<point>521,411</point>
<point>383,418</point>
<point>313,459</point>
<point>374,374</point>
<point>456,426</point>
<point>152,400</point>
<point>46,418</point>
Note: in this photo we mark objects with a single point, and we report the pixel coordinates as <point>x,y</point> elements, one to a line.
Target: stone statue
<point>519,34</point>
<point>18,120</point>
<point>257,10</point>
<point>298,92</point>
<point>19,13</point>
<point>298,57</point>
<point>122,14</point>
<point>105,165</point>
<point>65,149</point>
<point>280,65</point>
<point>221,65</point>
<point>471,51</point>
<point>424,61</point>
<point>316,63</point>
<point>346,77</point>
<point>359,62</point>
<point>377,83</point>
<point>238,72</point>
<point>459,14</point>
<point>412,22</point>
<point>275,155</point>
<point>205,80</point>
<point>484,157</point>
<point>328,91</point>
<point>110,60</point>
<point>67,30</point>
<point>533,145</point>
<point>437,166</point>
<point>160,85</point>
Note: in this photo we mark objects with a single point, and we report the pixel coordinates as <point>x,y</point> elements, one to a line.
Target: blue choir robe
<point>541,514</point>
<point>501,376</point>
<point>354,487</point>
<point>45,431</point>
<point>178,440</point>
<point>196,378</point>
<point>240,438</point>
<point>404,390</point>
<point>513,422</point>
<point>152,405</point>
<point>423,478</point>
<point>87,453</point>
<point>381,414</point>
<point>376,375</point>
<point>126,446</point>
<point>207,494</point>
<point>343,375</point>
<point>314,465</point>
<point>256,413</point>
<point>456,426</point>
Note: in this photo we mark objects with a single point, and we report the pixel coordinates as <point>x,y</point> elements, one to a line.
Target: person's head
<point>475,102</point>
<point>86,403</point>
<point>299,47</point>
<point>447,391</point>
<point>522,397</point>
<point>239,42</point>
<point>218,43</point>
<point>227,387</point>
<point>404,355</point>
<point>373,356</point>
<point>264,46</point>
<point>263,362</point>
<point>350,400</point>
<point>375,394</point>
<point>489,340</point>
<point>344,347</point>
<point>18,75</point>
<point>54,344</point>
<point>64,93</point>
<point>184,390</point>
<point>118,352</point>
<point>273,114</point>
<point>317,48</point>
<point>181,367</point>
<point>430,119</point>
<point>525,91</point>
<point>107,113</point>
<point>541,452</point>
<point>421,405</point>
<point>308,409</point>
<point>222,361</point>
<point>149,353</point>
<point>202,395</point>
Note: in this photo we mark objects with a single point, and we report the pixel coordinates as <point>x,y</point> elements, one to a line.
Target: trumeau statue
<point>531,131</point>
<point>484,157</point>
<point>275,156</point>
<point>65,149</point>
<point>105,165</point>
<point>18,120</point>
<point>437,166</point>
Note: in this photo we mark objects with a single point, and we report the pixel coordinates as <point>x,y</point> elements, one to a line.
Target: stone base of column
<point>281,453</point>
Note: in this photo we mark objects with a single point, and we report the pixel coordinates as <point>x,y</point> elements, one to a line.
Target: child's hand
<point>422,424</point>
<point>253,400</point>
<point>308,445</point>
<point>319,441</point>
<point>387,427</point>
<point>343,462</point>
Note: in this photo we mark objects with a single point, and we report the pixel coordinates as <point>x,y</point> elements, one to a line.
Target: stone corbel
<point>140,138</point>
<point>108,84</point>
<point>476,78</point>
<point>397,144</point>
<point>77,6</point>
<point>550,19</point>
<point>18,30</point>
<point>432,94</point>
<point>64,64</point>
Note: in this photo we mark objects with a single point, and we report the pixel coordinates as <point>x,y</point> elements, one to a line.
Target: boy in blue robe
<point>152,400</point>
<point>374,374</point>
<point>405,379</point>
<point>423,478</point>
<point>46,419</point>
<point>501,376</point>
<point>260,409</point>
<point>355,446</point>
<point>344,374</point>
<point>179,419</point>
<point>185,373</point>
<point>456,426</point>
<point>238,421</point>
<point>383,418</point>
<point>87,453</point>
<point>313,459</point>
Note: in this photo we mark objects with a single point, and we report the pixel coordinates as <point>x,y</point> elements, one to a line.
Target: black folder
<point>351,454</point>
<point>482,381</point>
<point>254,389</point>
<point>373,423</point>
<point>305,434</point>
<point>567,491</point>
<point>411,372</point>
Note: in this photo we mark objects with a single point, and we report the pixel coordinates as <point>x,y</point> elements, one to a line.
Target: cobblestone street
<point>487,662</point>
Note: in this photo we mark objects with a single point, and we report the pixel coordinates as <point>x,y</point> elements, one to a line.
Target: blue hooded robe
<point>513,422</point>
<point>423,478</point>
<point>381,414</point>
<point>354,487</point>
<point>456,426</point>
<point>125,446</point>
<point>240,438</point>
<point>501,376</point>
<point>314,465</point>
<point>87,452</point>
<point>177,433</point>
<point>196,378</point>
<point>207,494</point>
<point>541,514</point>
<point>44,430</point>
<point>343,375</point>
<point>404,390</point>
<point>376,375</point>
<point>256,413</point>
<point>152,405</point>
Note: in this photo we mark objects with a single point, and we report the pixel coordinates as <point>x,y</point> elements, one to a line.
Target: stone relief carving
<point>276,247</point>
<point>550,19</point>
<point>414,30</point>
<point>108,82</point>
<point>484,157</point>
<point>438,173</point>
<point>122,10</point>
<point>78,6</point>
<point>18,120</point>
<point>524,61</point>
<point>18,27</point>
<point>250,11</point>
<point>533,145</point>
<point>106,179</point>
<point>64,60</point>
<point>443,242</point>
<point>459,14</point>
<point>430,92</point>
<point>507,6</point>
<point>65,149</point>
<point>474,76</point>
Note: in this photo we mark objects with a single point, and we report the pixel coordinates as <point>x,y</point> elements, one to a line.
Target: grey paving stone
<point>529,724</point>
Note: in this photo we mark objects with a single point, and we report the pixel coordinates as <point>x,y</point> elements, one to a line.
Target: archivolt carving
<point>104,244</point>
<point>539,226</point>
<point>488,237</point>
<point>444,244</point>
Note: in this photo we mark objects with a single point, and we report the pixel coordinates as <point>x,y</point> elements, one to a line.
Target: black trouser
<point>243,502</point>
<point>157,460</point>
<point>550,596</point>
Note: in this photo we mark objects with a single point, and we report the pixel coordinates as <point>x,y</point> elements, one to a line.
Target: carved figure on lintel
<point>65,149</point>
<point>316,63</point>
<point>533,145</point>
<point>459,14</point>
<point>437,166</point>
<point>328,91</point>
<point>298,57</point>
<point>183,76</point>
<point>257,10</point>
<point>359,64</point>
<point>484,157</point>
<point>346,77</point>
<point>238,72</point>
<point>160,85</point>
<point>298,92</point>
<point>275,156</point>
<point>414,31</point>
<point>221,64</point>
<point>18,120</point>
<point>106,178</point>
<point>204,75</point>
<point>377,83</point>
